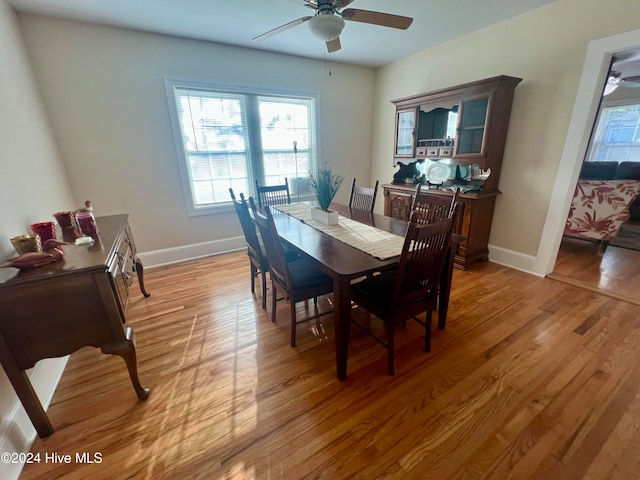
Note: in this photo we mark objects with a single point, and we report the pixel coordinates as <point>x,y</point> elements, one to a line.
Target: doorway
<point>596,67</point>
<point>615,128</point>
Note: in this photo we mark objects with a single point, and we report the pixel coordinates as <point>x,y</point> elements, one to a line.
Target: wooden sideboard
<point>477,214</point>
<point>80,300</point>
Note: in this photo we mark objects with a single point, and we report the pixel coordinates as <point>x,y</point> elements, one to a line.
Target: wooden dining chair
<point>259,264</point>
<point>394,296</point>
<point>258,260</point>
<point>362,198</point>
<point>273,194</point>
<point>298,280</point>
<point>433,208</point>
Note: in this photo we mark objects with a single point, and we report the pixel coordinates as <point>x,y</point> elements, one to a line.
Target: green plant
<point>326,185</point>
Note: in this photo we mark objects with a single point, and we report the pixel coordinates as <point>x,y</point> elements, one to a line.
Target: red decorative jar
<point>86,223</point>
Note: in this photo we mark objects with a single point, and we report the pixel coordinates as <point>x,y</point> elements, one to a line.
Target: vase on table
<point>327,217</point>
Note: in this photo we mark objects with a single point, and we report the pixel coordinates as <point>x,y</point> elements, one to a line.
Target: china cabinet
<point>462,128</point>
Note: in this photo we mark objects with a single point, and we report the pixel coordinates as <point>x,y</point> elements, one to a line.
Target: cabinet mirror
<point>437,122</point>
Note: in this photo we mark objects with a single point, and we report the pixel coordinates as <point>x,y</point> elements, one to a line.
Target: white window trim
<point>185,175</point>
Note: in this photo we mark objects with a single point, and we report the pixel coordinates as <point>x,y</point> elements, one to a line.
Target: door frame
<point>585,109</point>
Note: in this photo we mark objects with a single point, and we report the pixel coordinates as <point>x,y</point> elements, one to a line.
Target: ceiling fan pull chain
<point>327,65</point>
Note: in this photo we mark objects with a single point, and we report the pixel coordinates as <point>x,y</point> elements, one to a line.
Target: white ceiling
<point>236,22</point>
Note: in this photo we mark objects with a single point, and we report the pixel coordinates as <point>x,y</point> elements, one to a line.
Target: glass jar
<point>86,223</point>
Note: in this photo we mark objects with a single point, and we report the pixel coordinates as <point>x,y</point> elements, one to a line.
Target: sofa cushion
<point>599,207</point>
<point>598,170</point>
<point>628,171</point>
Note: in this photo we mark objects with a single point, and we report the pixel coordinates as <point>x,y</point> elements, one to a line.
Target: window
<point>228,137</point>
<point>617,136</point>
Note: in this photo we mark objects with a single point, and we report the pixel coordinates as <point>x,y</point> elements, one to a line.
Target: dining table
<point>344,263</point>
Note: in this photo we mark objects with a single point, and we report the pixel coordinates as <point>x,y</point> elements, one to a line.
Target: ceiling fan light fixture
<point>326,27</point>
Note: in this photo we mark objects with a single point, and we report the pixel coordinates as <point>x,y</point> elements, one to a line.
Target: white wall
<point>33,186</point>
<point>103,90</point>
<point>546,47</point>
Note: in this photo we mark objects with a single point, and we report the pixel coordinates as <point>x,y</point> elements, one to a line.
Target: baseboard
<point>515,260</point>
<point>156,258</point>
<point>16,431</point>
<point>167,256</point>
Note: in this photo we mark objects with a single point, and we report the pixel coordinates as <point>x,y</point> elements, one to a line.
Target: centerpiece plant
<point>326,184</point>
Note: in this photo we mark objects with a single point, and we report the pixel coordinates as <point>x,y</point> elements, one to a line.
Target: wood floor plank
<point>531,379</point>
<point>613,273</point>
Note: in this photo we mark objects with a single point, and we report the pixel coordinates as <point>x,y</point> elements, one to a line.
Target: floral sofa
<point>614,171</point>
<point>602,200</point>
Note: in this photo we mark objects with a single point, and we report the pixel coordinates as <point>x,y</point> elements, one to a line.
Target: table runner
<point>371,240</point>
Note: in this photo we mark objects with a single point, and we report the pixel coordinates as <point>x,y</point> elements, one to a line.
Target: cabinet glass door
<point>472,125</point>
<point>405,133</point>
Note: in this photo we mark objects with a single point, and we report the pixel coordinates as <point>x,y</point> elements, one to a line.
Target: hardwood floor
<point>614,273</point>
<point>532,379</point>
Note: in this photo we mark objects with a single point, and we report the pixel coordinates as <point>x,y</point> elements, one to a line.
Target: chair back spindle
<point>362,198</point>
<point>433,208</point>
<point>273,195</point>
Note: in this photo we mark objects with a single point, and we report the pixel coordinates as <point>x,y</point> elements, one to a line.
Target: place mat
<point>371,240</point>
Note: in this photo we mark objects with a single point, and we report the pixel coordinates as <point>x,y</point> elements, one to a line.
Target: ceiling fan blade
<point>307,3</point>
<point>377,18</point>
<point>334,45</point>
<point>281,28</point>
<point>338,4</point>
<point>634,78</point>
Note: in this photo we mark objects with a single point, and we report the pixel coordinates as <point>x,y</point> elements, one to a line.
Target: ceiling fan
<point>615,80</point>
<point>328,21</point>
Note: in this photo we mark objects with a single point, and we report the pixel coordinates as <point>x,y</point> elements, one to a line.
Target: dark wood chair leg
<point>264,290</point>
<point>254,272</point>
<point>390,362</point>
<point>427,331</point>
<point>274,301</point>
<point>293,323</point>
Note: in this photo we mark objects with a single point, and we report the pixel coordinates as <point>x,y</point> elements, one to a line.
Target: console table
<point>78,301</point>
